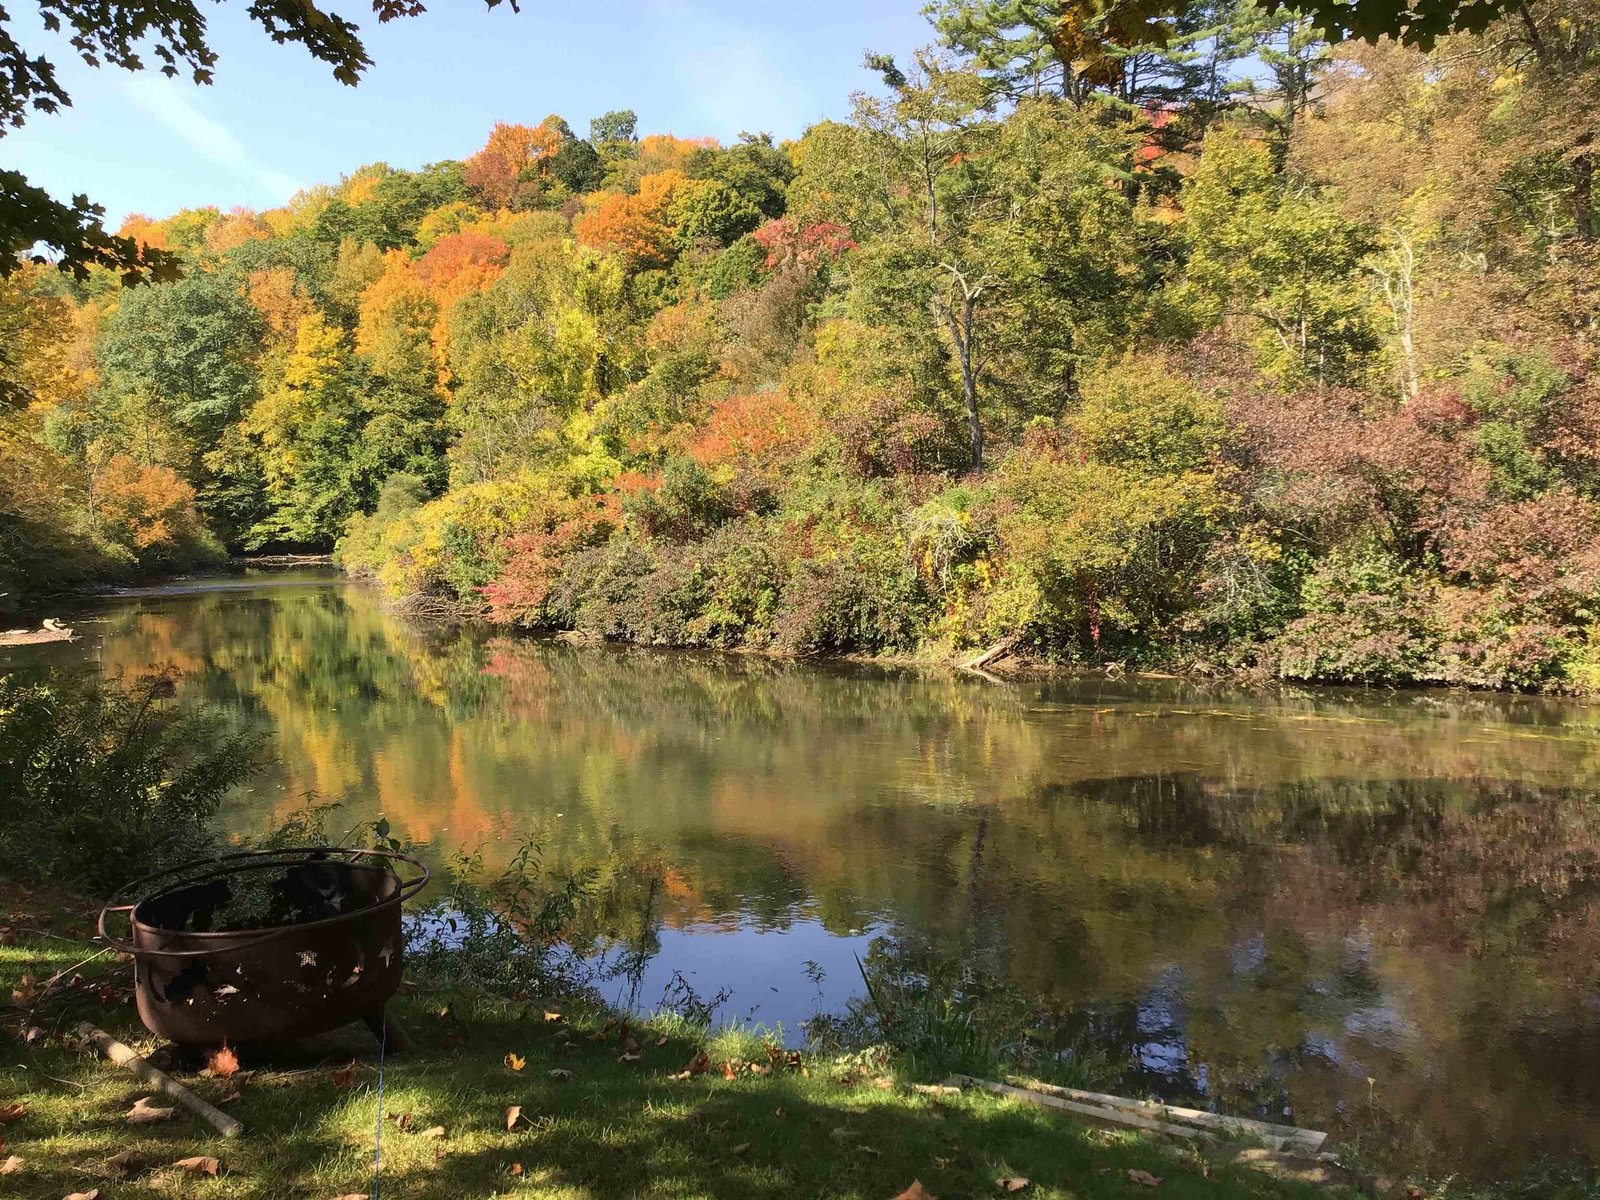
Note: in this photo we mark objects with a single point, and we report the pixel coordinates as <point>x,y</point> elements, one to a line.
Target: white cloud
<point>163,100</point>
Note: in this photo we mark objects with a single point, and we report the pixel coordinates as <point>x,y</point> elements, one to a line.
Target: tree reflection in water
<point>1260,899</point>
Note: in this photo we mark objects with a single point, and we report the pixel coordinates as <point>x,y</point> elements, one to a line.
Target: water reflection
<point>1377,913</point>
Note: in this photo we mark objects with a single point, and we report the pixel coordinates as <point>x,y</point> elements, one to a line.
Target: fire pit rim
<point>225,864</point>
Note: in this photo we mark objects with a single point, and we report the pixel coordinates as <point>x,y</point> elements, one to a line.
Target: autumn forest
<point>1237,350</point>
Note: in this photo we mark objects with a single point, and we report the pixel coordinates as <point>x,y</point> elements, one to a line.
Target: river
<point>1376,912</point>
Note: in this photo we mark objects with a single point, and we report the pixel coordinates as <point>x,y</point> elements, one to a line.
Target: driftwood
<point>51,631</point>
<point>1275,1137</point>
<point>1002,647</point>
<point>125,1056</point>
<point>1114,1116</point>
<point>1189,1123</point>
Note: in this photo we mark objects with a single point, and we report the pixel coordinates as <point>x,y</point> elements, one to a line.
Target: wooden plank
<point>125,1056</point>
<point>1305,1140</point>
<point>1114,1116</point>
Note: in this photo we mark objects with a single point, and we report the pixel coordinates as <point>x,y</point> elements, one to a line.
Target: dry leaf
<point>143,1112</point>
<point>12,1112</point>
<point>915,1192</point>
<point>553,1016</point>
<point>516,1062</point>
<point>198,1165</point>
<point>346,1196</point>
<point>516,1168</point>
<point>223,1063</point>
<point>345,1078</point>
<point>662,1040</point>
<point>94,1194</point>
<point>513,1115</point>
<point>1014,1183</point>
<point>11,1165</point>
<point>433,1131</point>
<point>883,1084</point>
<point>728,1072</point>
<point>1144,1177</point>
<point>560,1073</point>
<point>27,991</point>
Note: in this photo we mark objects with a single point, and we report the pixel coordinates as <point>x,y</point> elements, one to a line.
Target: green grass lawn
<point>611,1129</point>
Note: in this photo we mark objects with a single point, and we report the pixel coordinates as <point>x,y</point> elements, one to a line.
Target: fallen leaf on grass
<point>915,1192</point>
<point>516,1062</point>
<point>513,1115</point>
<point>741,1148</point>
<point>516,1168</point>
<point>94,1194</point>
<point>223,1063</point>
<point>1013,1183</point>
<point>402,1121</point>
<point>662,1040</point>
<point>144,1113</point>
<point>883,1084</point>
<point>560,1073</point>
<point>553,1016</point>
<point>1144,1177</point>
<point>27,990</point>
<point>346,1196</point>
<point>12,1112</point>
<point>698,1065</point>
<point>199,1165</point>
<point>11,1165</point>
<point>728,1072</point>
<point>345,1078</point>
<point>433,1131</point>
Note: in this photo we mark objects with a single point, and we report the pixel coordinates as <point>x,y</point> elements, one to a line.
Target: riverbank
<point>532,1098</point>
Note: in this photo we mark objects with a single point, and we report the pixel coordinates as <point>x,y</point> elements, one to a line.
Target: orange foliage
<point>143,230</point>
<point>145,508</point>
<point>496,171</point>
<point>277,296</point>
<point>238,227</point>
<point>635,226</point>
<point>763,429</point>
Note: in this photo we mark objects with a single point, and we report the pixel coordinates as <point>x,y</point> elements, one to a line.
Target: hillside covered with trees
<point>1243,349</point>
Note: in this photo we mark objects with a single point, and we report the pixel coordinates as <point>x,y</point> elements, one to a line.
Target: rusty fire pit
<point>266,945</point>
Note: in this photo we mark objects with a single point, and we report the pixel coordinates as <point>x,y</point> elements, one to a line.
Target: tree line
<point>1147,335</point>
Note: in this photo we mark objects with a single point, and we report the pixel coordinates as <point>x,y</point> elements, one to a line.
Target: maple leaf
<point>515,1061</point>
<point>145,1113</point>
<point>915,1192</point>
<point>199,1165</point>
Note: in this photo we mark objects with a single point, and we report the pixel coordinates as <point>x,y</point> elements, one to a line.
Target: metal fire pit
<point>322,947</point>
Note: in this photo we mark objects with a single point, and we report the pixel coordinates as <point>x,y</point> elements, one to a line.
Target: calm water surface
<point>1379,913</point>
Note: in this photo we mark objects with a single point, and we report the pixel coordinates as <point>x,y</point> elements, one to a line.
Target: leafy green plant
<point>101,782</point>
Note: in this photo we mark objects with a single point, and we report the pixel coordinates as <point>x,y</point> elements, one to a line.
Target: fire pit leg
<point>388,1031</point>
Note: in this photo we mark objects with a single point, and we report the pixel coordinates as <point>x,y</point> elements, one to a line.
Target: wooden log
<point>1292,1138</point>
<point>1114,1116</point>
<point>125,1056</point>
<point>988,656</point>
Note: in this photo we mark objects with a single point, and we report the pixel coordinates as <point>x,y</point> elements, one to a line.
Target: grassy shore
<point>592,1123</point>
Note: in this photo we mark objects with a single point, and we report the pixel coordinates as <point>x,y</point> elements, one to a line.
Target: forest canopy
<point>1237,347</point>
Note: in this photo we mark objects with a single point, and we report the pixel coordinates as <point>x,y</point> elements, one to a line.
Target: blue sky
<point>275,121</point>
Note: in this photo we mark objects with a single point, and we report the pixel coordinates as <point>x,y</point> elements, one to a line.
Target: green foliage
<point>101,783</point>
